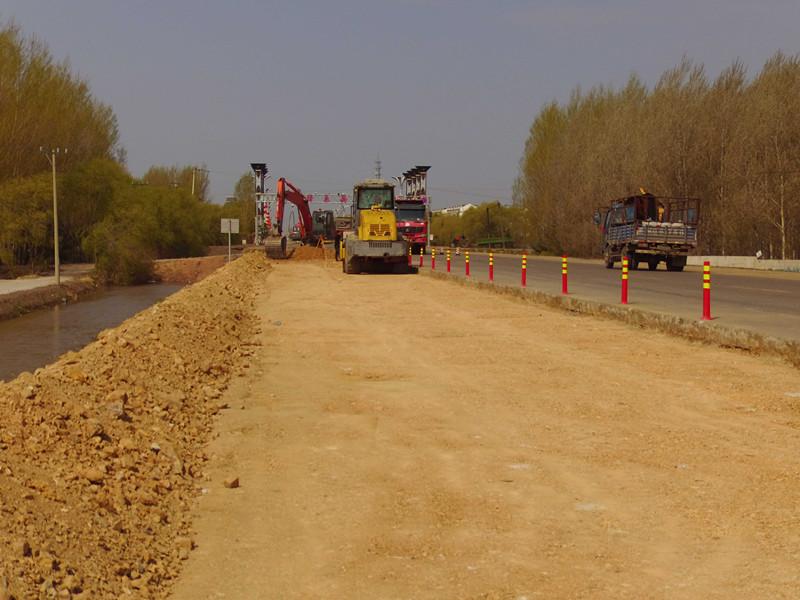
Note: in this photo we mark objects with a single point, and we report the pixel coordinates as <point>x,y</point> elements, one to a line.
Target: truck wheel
<point>633,262</point>
<point>609,262</point>
<point>676,263</point>
<point>652,264</point>
<point>351,266</point>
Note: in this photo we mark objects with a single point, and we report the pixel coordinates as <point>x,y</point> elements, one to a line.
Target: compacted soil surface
<point>404,437</point>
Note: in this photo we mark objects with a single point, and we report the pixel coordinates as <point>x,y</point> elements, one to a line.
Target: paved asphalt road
<point>765,302</point>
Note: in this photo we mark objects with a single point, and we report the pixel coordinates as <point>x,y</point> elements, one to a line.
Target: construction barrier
<point>624,280</point>
<point>433,259</point>
<point>706,291</point>
<point>564,289</point>
<point>448,260</point>
<point>491,266</point>
<point>466,264</point>
<point>524,270</point>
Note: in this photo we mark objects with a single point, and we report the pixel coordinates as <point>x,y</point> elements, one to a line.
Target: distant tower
<point>378,167</point>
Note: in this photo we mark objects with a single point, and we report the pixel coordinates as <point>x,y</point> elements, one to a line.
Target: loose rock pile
<point>102,452</point>
<point>311,253</point>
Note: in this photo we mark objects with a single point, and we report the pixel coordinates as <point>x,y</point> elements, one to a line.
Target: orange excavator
<point>313,227</point>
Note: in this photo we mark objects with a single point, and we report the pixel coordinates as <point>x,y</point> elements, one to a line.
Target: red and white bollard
<point>491,266</point>
<point>564,289</point>
<point>624,280</point>
<point>433,259</point>
<point>466,263</point>
<point>421,255</point>
<point>524,281</point>
<point>448,260</point>
<point>706,291</point>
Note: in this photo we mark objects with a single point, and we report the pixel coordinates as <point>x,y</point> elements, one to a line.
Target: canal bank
<point>39,337</point>
<point>23,301</point>
<point>24,295</point>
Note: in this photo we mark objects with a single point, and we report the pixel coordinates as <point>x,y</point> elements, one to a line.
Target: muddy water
<point>36,339</point>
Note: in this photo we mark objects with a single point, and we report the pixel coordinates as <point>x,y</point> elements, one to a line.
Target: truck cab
<point>412,222</point>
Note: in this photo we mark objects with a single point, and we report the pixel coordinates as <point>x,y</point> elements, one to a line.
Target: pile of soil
<point>311,253</point>
<point>102,452</point>
<point>187,270</point>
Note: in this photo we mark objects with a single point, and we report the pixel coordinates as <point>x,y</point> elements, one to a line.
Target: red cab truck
<point>412,222</point>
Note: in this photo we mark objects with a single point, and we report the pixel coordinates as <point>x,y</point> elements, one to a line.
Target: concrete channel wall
<point>746,262</point>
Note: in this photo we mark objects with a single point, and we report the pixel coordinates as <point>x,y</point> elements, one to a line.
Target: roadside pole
<point>524,275</point>
<point>706,291</point>
<point>229,226</point>
<point>55,220</point>
<point>624,299</point>
<point>51,158</point>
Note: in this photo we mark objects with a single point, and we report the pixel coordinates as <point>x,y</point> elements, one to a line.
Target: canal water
<point>38,338</point>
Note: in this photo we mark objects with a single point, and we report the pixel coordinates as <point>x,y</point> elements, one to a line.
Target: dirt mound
<point>188,270</point>
<point>311,253</point>
<point>102,452</point>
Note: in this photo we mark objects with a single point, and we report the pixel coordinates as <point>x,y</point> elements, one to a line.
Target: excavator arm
<point>287,192</point>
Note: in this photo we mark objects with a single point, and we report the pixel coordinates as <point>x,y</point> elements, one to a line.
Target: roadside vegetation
<point>490,224</point>
<point>733,141</point>
<point>106,216</point>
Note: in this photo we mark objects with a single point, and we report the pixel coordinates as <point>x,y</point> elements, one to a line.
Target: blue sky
<point>317,89</point>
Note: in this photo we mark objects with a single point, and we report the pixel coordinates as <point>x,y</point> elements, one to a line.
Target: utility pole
<point>194,174</point>
<point>51,157</point>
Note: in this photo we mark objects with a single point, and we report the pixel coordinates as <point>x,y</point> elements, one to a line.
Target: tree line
<point>106,216</point>
<point>732,141</point>
<point>490,224</point>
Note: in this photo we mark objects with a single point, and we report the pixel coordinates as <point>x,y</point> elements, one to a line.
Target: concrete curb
<point>698,331</point>
<point>747,262</point>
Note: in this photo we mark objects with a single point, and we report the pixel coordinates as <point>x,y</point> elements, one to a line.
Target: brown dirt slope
<point>311,253</point>
<point>100,452</point>
<point>406,438</point>
<point>187,270</point>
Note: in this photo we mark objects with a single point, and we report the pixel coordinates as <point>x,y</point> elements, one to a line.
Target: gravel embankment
<point>102,452</point>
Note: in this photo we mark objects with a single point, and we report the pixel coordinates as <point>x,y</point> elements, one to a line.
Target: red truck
<point>412,222</point>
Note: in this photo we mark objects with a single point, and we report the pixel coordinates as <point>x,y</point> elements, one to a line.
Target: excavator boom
<point>289,193</point>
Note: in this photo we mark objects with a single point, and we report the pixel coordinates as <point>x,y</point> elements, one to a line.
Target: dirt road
<point>401,437</point>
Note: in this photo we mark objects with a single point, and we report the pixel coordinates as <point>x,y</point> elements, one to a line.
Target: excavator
<point>314,227</point>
